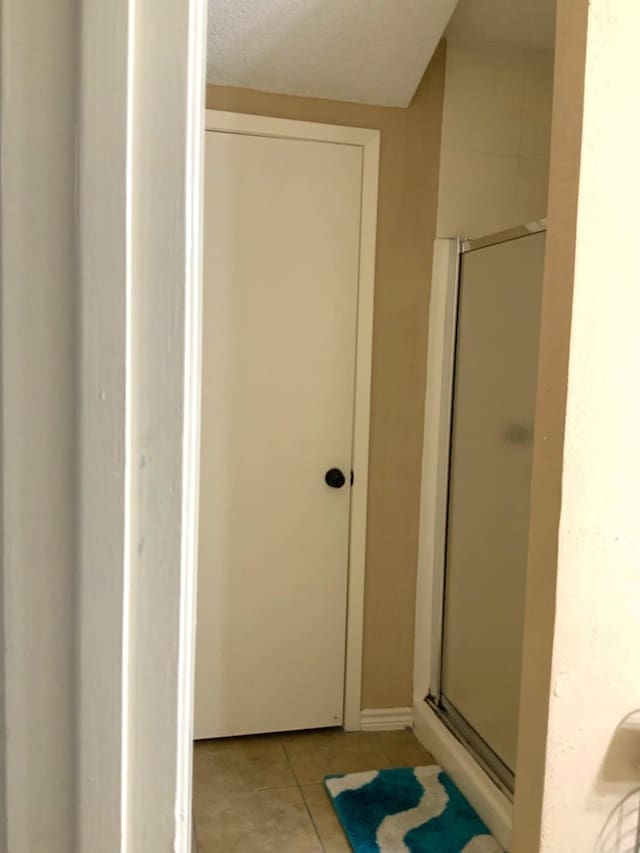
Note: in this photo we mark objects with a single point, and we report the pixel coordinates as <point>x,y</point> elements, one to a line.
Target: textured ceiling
<point>529,23</point>
<point>371,51</point>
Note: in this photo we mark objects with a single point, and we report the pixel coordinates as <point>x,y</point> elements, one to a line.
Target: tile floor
<point>264,794</point>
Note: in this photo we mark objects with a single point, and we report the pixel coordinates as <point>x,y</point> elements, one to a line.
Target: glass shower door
<point>496,356</point>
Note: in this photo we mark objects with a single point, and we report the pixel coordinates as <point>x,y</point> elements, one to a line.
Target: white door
<point>282,228</point>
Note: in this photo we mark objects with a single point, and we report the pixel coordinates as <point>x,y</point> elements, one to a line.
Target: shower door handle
<point>518,434</point>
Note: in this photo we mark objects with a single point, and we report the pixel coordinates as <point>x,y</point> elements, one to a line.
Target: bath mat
<point>409,810</point>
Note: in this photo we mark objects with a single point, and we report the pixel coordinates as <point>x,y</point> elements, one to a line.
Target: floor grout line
<point>304,799</point>
<point>288,760</point>
<point>312,819</point>
<point>381,746</point>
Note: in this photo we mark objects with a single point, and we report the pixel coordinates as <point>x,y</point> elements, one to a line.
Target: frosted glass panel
<point>489,486</point>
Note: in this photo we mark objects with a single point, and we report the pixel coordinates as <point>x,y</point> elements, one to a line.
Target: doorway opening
<point>281,598</point>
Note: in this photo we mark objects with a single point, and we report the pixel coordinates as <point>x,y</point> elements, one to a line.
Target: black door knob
<point>335,478</point>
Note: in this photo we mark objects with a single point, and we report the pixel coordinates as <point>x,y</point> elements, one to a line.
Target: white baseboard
<point>492,805</point>
<point>386,719</point>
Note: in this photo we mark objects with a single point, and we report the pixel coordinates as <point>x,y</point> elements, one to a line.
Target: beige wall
<point>495,138</point>
<point>580,732</point>
<point>410,151</point>
<point>549,428</point>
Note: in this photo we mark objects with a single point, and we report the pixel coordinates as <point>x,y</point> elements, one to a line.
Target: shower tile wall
<point>494,166</point>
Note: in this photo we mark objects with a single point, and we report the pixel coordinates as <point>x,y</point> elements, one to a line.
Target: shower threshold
<point>480,750</point>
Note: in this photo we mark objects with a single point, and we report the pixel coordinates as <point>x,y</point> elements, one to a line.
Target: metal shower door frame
<point>448,714</point>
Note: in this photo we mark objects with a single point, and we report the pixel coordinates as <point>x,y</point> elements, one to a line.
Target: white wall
<point>592,748</point>
<point>494,166</point>
<point>38,317</point>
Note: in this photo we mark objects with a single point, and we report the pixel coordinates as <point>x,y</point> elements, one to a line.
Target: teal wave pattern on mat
<point>418,810</point>
<point>453,830</point>
<point>361,811</point>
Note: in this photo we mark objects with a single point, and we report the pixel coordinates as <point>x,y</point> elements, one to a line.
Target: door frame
<point>101,151</point>
<point>369,141</point>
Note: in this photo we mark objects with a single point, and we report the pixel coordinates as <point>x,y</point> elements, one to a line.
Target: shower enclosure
<point>484,494</point>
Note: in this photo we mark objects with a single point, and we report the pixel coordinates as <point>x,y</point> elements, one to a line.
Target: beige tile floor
<point>265,795</point>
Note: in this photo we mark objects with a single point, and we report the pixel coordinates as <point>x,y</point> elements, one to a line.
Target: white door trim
<point>283,128</point>
<point>369,141</point>
<point>140,150</point>
<point>100,204</point>
<point>104,420</point>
